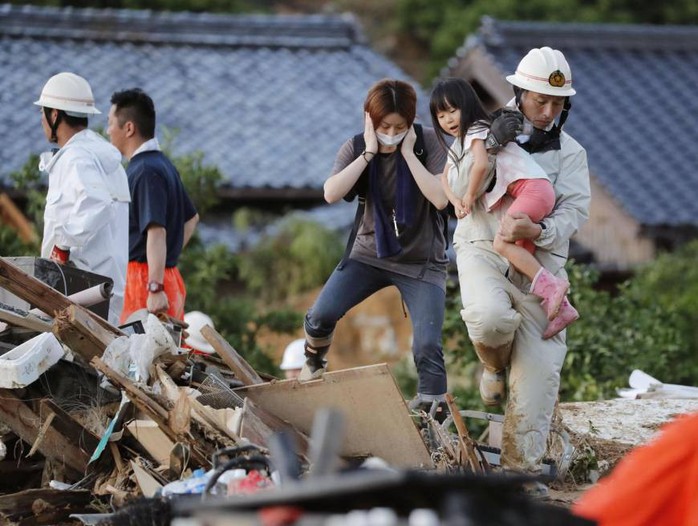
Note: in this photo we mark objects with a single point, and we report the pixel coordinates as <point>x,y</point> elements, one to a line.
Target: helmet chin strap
<point>53,125</point>
<point>518,94</point>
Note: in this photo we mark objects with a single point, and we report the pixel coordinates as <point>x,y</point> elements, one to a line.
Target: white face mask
<point>390,140</point>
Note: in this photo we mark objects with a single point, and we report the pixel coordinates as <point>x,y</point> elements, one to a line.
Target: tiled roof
<point>267,99</point>
<point>636,109</point>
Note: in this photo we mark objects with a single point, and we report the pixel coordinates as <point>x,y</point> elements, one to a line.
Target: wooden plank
<point>76,327</point>
<point>467,445</point>
<point>69,427</point>
<point>42,296</point>
<point>243,370</point>
<point>13,216</point>
<point>377,420</point>
<point>26,425</point>
<point>156,412</point>
<point>259,424</point>
<point>22,318</point>
<point>43,506</point>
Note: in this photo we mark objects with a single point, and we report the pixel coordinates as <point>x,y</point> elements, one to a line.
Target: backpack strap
<point>361,186</point>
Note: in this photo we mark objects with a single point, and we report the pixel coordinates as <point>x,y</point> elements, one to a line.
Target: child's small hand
<point>458,208</point>
<point>467,202</point>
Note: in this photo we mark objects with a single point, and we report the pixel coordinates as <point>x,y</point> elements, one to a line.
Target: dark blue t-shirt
<point>157,197</point>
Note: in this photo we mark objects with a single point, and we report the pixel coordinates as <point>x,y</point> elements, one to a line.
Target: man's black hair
<point>135,105</point>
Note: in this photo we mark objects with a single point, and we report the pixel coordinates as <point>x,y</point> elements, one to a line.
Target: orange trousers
<point>654,484</point>
<point>136,293</point>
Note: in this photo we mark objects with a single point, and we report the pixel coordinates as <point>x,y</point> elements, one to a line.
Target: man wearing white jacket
<point>505,322</point>
<point>86,214</point>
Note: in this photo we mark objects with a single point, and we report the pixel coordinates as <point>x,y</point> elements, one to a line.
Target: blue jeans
<point>425,302</point>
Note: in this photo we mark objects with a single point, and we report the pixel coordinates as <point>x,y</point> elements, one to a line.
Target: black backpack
<point>361,187</point>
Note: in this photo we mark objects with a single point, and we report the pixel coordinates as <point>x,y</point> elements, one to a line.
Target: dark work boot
<point>315,363</point>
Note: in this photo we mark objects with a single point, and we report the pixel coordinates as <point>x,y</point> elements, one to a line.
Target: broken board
<point>377,421</point>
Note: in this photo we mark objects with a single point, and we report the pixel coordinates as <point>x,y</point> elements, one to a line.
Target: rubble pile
<point>103,425</point>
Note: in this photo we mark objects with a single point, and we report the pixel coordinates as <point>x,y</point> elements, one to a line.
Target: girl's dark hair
<point>391,96</point>
<point>457,93</point>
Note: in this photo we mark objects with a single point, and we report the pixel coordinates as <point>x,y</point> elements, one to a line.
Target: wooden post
<point>156,412</point>
<point>26,424</point>
<point>243,370</point>
<point>37,293</point>
<point>466,442</point>
<point>78,330</point>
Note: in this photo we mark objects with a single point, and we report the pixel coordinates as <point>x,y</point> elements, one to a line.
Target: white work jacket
<point>87,207</point>
<point>567,169</point>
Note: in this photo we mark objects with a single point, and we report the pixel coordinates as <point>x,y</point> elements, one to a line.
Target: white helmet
<point>68,92</point>
<point>294,355</point>
<point>197,321</point>
<point>544,70</point>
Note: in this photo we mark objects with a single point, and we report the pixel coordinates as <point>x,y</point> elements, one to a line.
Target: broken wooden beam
<point>39,294</point>
<point>76,327</point>
<point>467,444</point>
<point>24,319</point>
<point>44,506</point>
<point>155,411</point>
<point>26,424</point>
<point>243,371</point>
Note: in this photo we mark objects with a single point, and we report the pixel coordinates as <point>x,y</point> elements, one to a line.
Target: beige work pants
<point>496,312</point>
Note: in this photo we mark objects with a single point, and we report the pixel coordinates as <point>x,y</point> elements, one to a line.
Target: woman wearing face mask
<point>399,238</point>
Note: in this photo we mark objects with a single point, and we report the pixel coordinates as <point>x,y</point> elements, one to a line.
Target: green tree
<point>615,334</point>
<point>299,257</point>
<point>442,25</point>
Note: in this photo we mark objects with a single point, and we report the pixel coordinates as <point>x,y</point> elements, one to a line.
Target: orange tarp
<point>655,484</point>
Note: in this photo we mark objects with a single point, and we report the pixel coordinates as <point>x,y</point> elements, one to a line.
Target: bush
<point>615,334</point>
<point>299,257</point>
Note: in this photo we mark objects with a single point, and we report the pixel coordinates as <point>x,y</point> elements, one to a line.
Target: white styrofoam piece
<point>25,363</point>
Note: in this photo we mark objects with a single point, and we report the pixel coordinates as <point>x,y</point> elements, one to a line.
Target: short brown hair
<point>391,96</point>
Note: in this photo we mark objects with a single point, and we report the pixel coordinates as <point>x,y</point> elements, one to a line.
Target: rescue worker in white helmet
<point>504,321</point>
<point>86,214</point>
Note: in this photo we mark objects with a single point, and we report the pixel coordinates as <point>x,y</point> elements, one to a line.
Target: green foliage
<point>616,334</point>
<point>299,257</point>
<point>29,180</point>
<point>238,316</point>
<point>670,284</point>
<point>442,25</point>
<point>200,180</point>
<point>638,327</point>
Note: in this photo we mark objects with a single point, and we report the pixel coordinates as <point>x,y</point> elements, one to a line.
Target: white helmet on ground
<point>294,355</point>
<point>68,92</point>
<point>197,321</point>
<point>544,70</point>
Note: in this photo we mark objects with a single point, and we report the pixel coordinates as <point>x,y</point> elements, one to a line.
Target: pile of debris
<point>117,425</point>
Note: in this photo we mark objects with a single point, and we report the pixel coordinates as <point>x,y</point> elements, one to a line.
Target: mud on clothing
<point>498,310</point>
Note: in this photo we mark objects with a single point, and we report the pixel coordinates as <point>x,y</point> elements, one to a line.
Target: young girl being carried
<point>456,110</point>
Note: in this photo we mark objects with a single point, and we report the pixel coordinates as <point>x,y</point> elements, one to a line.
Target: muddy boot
<point>433,405</point>
<point>493,387</point>
<point>315,363</point>
<point>551,290</point>
<point>567,315</point>
<point>493,383</point>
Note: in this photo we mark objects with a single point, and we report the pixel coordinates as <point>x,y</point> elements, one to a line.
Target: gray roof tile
<point>268,99</point>
<point>635,108</point>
